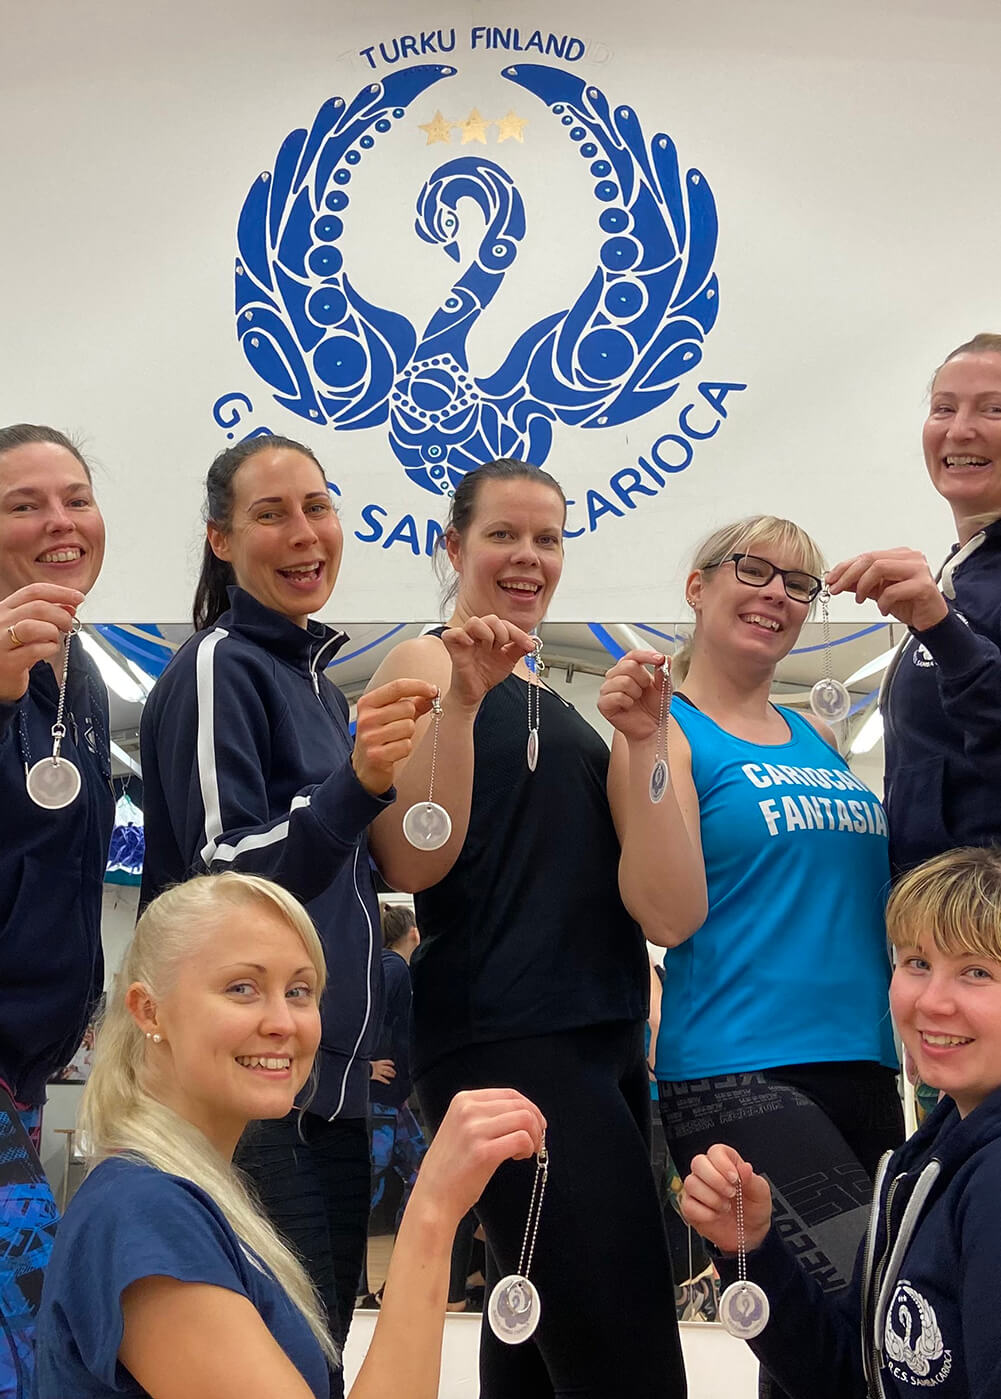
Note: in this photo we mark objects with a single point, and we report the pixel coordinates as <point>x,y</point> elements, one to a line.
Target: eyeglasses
<point>800,586</point>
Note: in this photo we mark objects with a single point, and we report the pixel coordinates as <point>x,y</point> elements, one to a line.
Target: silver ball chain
<point>436,713</point>
<point>535,683</point>
<point>59,728</point>
<point>663,727</point>
<point>534,1211</point>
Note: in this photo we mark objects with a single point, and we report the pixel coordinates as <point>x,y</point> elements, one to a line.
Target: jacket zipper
<point>870,1351</point>
<point>877,1281</point>
<point>368,989</point>
<point>315,661</point>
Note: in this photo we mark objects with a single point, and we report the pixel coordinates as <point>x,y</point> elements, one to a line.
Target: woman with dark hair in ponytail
<point>248,765</point>
<point>530,969</point>
<point>52,857</point>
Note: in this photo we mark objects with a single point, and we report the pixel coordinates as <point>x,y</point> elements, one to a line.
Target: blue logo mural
<point>617,352</point>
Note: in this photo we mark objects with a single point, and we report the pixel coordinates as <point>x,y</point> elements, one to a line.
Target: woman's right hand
<point>384,730</point>
<point>708,1194</point>
<point>39,615</point>
<point>630,697</point>
<point>482,1128</point>
<point>483,652</point>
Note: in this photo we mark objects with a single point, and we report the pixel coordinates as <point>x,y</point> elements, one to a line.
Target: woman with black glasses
<point>775,1034</point>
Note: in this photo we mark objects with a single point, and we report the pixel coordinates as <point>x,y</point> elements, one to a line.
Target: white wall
<point>718,1366</point>
<point>132,135</point>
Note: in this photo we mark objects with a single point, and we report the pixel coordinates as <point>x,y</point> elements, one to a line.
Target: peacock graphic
<point>334,358</point>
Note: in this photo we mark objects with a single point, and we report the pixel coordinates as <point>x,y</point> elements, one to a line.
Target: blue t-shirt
<point>129,1221</point>
<point>791,965</point>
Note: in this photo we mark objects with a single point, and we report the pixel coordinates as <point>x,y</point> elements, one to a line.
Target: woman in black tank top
<point>530,970</point>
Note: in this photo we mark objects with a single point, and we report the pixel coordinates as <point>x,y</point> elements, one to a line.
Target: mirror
<point>577,656</point>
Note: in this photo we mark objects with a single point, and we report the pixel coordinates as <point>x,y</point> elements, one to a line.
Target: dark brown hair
<point>463,507</point>
<point>24,434</point>
<point>216,574</point>
<point>397,920</point>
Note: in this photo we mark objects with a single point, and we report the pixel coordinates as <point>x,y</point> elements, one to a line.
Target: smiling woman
<point>249,765</point>
<point>762,1028</point>
<point>52,860</point>
<point>214,1021</point>
<point>941,700</point>
<point>921,1311</point>
<point>530,969</point>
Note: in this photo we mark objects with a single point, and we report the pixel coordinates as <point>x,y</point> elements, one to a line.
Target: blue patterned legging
<point>398,1144</point>
<point>28,1218</point>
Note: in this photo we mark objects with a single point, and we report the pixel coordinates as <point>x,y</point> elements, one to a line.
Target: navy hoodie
<point>246,760</point>
<point>394,1039</point>
<point>921,1314</point>
<point>942,713</point>
<point>52,867</point>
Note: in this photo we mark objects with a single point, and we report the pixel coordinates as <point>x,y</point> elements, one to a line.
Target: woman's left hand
<point>483,652</point>
<point>900,583</point>
<point>630,698</point>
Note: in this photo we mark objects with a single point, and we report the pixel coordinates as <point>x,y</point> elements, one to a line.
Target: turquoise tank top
<point>791,965</point>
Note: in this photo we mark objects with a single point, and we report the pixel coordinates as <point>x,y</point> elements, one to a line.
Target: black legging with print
<point>816,1131</point>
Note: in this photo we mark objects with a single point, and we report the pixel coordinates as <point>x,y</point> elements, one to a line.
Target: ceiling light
<point>125,759</point>
<point>872,667</point>
<point>145,680</point>
<point>869,734</point>
<point>115,676</point>
<point>627,638</point>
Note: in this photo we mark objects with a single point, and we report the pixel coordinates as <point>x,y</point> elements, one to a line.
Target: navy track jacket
<point>52,866</point>
<point>942,709</point>
<point>921,1315</point>
<point>246,760</point>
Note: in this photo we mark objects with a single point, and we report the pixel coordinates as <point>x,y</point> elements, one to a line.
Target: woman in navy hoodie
<point>922,1310</point>
<point>51,861</point>
<point>941,699</point>
<point>248,765</point>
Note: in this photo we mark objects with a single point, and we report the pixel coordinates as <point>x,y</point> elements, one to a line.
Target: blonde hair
<point>955,900</point>
<point>765,531</point>
<point>119,1114</point>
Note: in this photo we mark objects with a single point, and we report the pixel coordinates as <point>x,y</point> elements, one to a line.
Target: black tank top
<point>527,934</point>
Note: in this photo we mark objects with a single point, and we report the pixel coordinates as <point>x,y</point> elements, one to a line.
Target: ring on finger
<point>15,640</point>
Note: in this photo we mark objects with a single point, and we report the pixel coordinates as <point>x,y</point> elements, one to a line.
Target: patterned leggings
<point>397,1144</point>
<point>816,1131</point>
<point>28,1218</point>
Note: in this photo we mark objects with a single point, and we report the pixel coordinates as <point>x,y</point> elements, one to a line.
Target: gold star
<point>474,128</point>
<point>511,127</point>
<point>438,129</point>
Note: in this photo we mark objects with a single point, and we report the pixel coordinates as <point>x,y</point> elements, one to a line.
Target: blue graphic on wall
<point>619,351</point>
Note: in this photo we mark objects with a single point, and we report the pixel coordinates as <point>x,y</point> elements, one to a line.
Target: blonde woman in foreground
<point>166,1280</point>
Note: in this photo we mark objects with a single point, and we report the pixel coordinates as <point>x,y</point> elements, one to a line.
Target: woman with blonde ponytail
<point>166,1279</point>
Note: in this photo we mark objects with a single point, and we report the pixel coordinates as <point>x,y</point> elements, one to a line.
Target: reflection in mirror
<point>577,656</point>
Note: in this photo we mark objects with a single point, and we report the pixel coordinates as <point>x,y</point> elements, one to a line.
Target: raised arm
<point>968,663</point>
<point>463,664</point>
<point>812,1343</point>
<point>662,877</point>
<point>33,625</point>
<point>212,742</point>
<point>480,1130</point>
